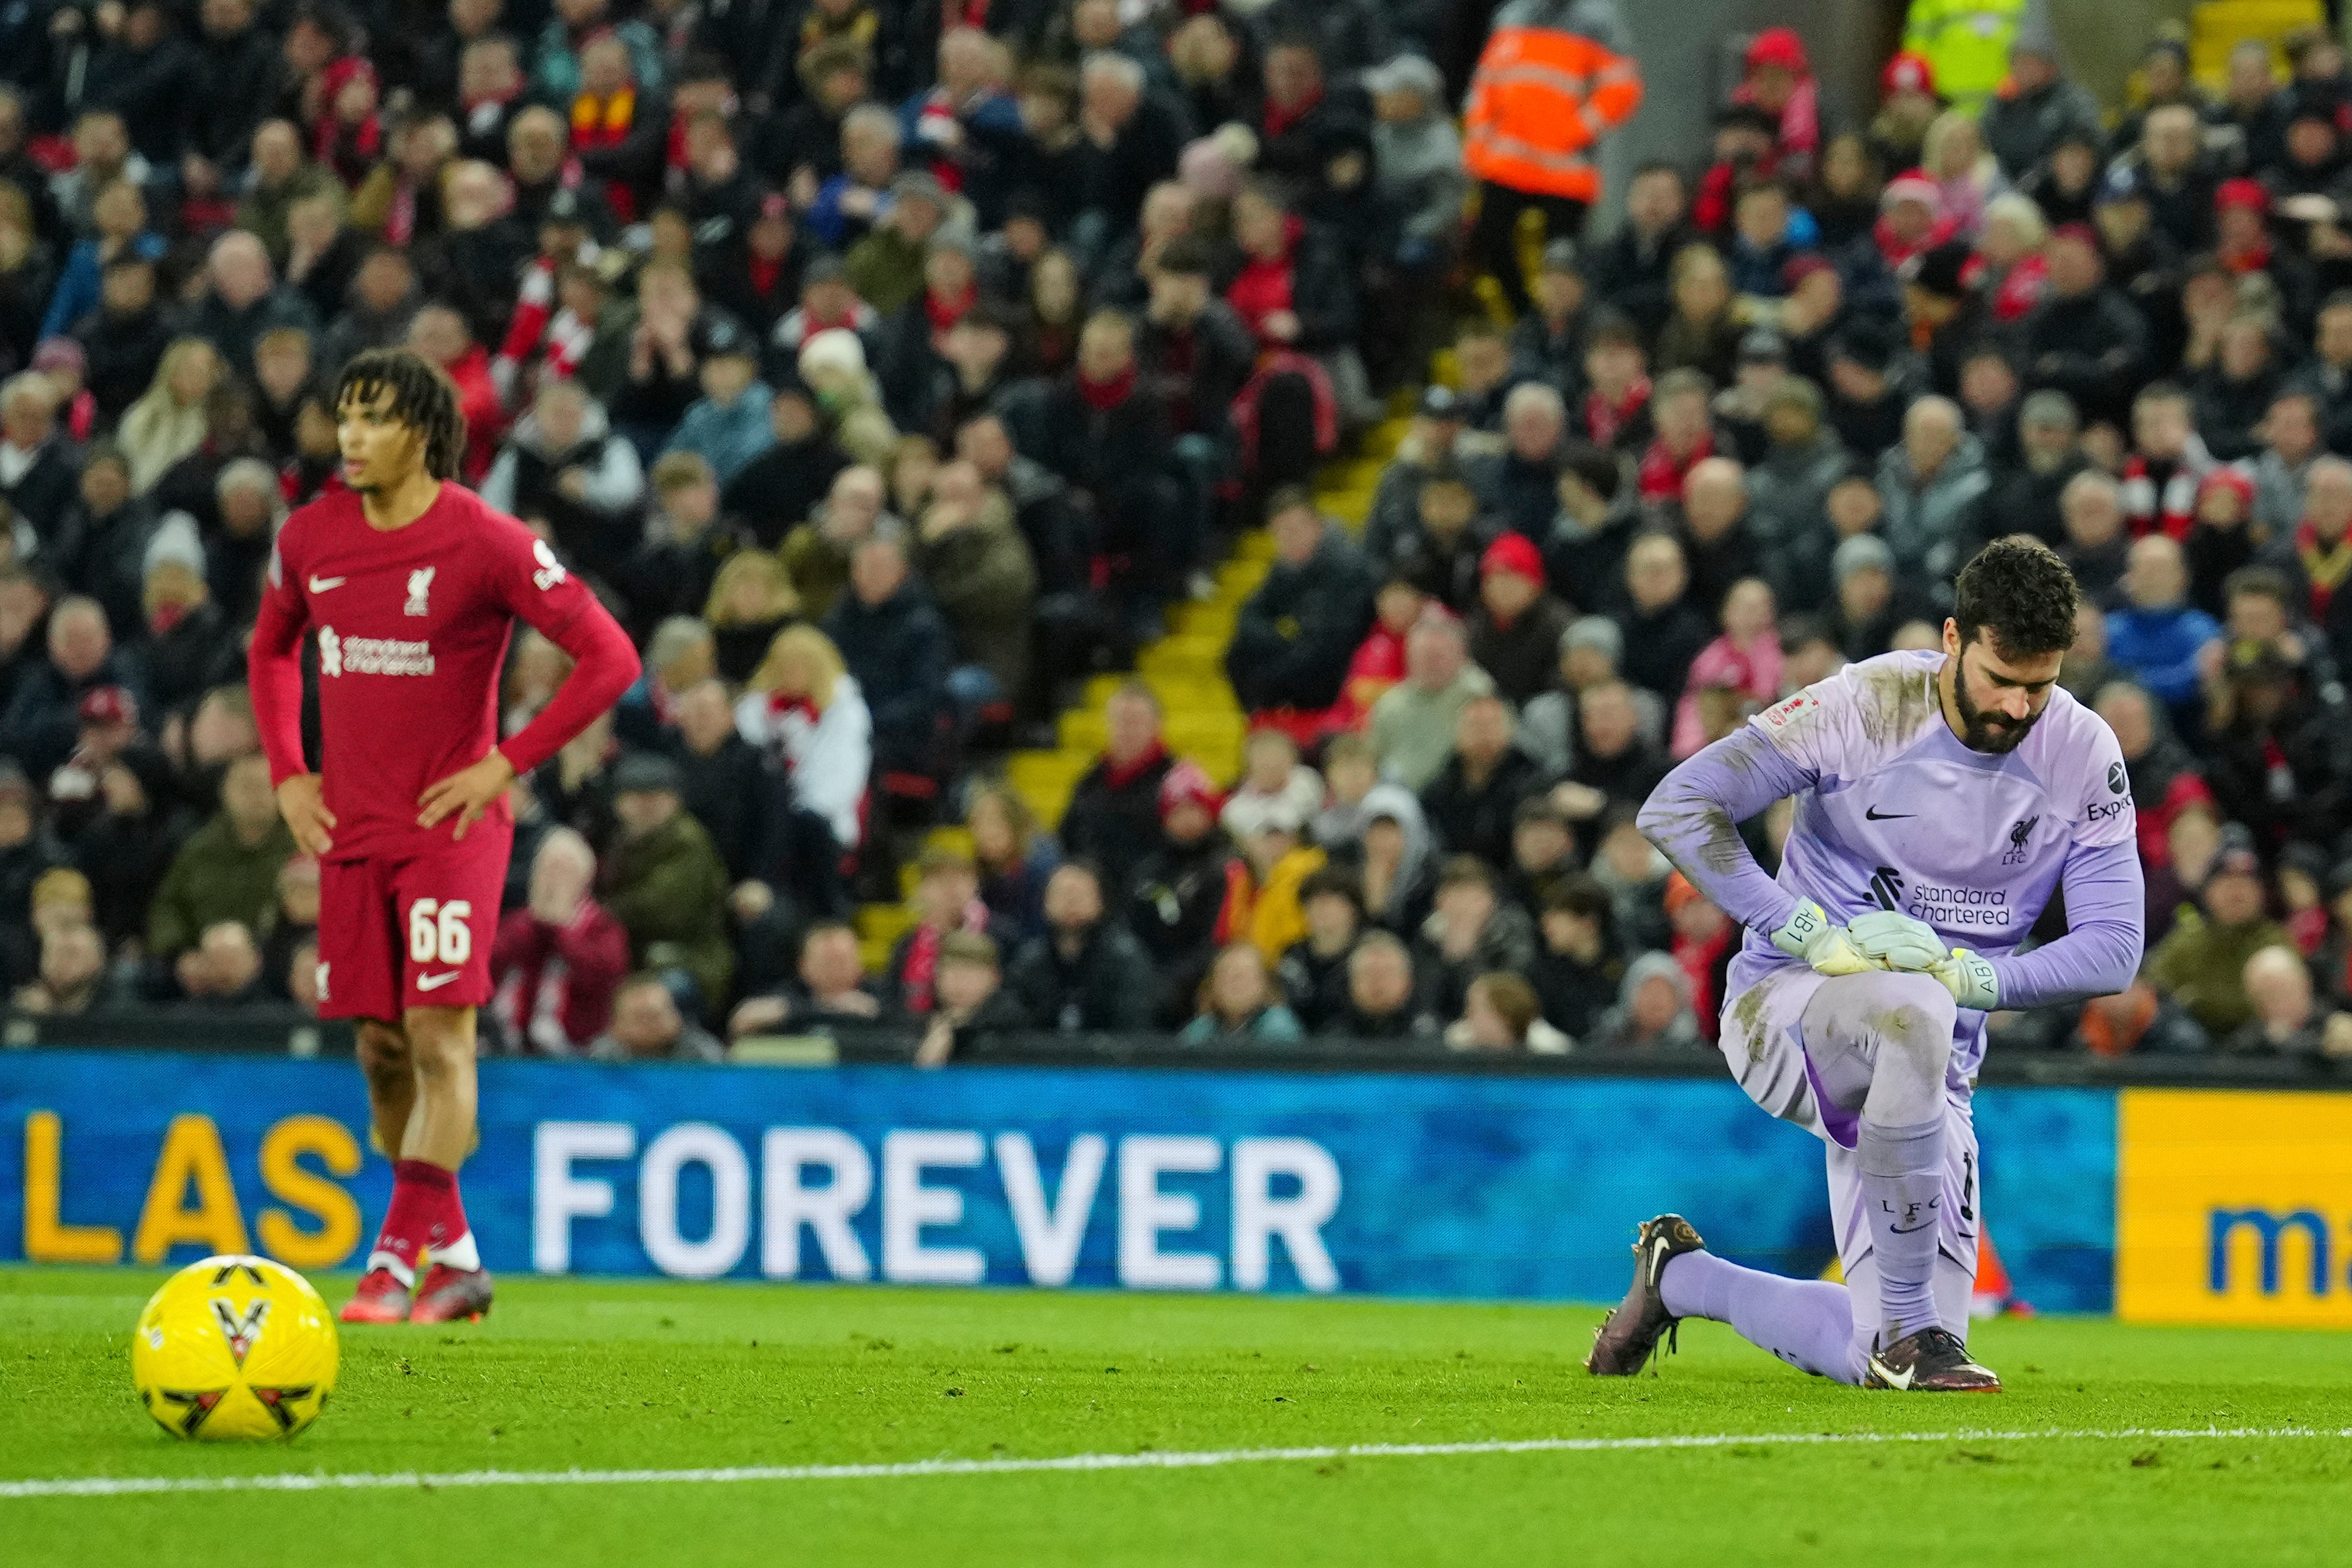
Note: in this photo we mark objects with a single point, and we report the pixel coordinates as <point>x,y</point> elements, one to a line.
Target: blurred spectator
<point>1113,818</point>
<point>1414,723</point>
<point>226,873</point>
<point>830,984</point>
<point>1931,485</point>
<point>1631,269</point>
<point>1015,857</point>
<point>946,901</point>
<point>292,924</point>
<point>894,642</point>
<point>2140,1019</point>
<point>1299,631</point>
<point>2097,549</point>
<point>2035,108</point>
<point>561,466</point>
<point>1615,766</point>
<point>1579,966</point>
<point>980,574</point>
<point>1381,995</point>
<point>37,466</point>
<point>1472,803</point>
<point>2158,637</point>
<point>1276,860</point>
<point>1788,494</point>
<point>1653,1009</point>
<point>1600,512</point>
<point>972,1001</point>
<point>1239,1004</point>
<point>1086,972</point>
<point>647,1025</point>
<point>2026,497</point>
<point>664,883</point>
<point>2277,761</point>
<point>223,968</point>
<point>2203,963</point>
<point>1469,932</point>
<point>1514,634</point>
<point>1500,1013</point>
<point>1272,779</point>
<point>2286,1021</point>
<point>1314,971</point>
<point>72,973</point>
<point>167,422</point>
<point>558,959</point>
<point>1743,665</point>
<point>2084,339</point>
<point>1663,628</point>
<point>680,654</point>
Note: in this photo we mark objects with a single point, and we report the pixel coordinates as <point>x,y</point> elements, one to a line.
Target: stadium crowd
<point>888,365</point>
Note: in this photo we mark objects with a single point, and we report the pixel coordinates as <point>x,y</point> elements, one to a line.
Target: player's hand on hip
<point>1970,977</point>
<point>304,807</point>
<point>1897,939</point>
<point>466,793</point>
<point>1811,935</point>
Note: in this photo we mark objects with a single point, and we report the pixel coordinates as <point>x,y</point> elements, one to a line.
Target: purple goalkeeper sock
<point>1808,1323</point>
<point>1901,1187</point>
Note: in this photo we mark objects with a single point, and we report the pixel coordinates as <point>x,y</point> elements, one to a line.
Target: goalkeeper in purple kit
<point>1942,798</point>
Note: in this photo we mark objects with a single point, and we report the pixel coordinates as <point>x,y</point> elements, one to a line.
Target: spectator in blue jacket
<point>727,426</point>
<point>121,213</point>
<point>2158,635</point>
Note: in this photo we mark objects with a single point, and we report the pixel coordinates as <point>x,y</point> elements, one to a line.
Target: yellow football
<point>234,1349</point>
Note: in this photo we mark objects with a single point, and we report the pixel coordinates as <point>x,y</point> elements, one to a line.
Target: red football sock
<point>426,1213</point>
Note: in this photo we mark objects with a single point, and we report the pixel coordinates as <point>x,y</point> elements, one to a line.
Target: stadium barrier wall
<point>1393,1184</point>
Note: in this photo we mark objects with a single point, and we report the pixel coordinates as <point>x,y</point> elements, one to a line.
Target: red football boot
<point>448,1294</point>
<point>381,1299</point>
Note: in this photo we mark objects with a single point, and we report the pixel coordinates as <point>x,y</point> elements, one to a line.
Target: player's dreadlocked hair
<point>2020,591</point>
<point>422,396</point>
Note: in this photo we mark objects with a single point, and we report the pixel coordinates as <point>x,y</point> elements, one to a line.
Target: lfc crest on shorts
<point>420,584</point>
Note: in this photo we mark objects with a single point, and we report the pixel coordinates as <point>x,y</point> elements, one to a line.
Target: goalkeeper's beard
<point>1995,733</point>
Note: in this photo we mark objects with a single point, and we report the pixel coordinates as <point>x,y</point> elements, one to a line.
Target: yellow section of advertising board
<point>2233,1206</point>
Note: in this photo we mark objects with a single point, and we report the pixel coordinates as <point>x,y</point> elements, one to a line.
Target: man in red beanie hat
<point>1515,632</point>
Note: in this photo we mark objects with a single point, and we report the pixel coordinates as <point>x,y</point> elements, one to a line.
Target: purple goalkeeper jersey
<point>1894,812</point>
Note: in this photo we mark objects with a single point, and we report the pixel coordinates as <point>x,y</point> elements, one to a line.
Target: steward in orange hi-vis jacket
<point>1555,75</point>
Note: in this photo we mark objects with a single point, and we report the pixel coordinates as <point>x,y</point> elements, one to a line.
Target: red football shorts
<point>396,934</point>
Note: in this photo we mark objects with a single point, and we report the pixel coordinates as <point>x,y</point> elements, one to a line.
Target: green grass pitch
<point>626,1375</point>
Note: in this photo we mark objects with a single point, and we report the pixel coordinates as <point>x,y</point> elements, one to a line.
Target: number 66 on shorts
<point>438,932</point>
<point>411,933</point>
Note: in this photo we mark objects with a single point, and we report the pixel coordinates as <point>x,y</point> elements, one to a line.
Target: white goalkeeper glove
<point>1970,979</point>
<point>1900,942</point>
<point>1810,934</point>
<point>1897,939</point>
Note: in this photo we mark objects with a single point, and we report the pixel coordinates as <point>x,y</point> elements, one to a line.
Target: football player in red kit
<point>412,585</point>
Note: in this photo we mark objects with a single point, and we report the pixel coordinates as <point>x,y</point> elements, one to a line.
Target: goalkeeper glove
<point>1811,935</point>
<point>1970,979</point>
<point>1901,942</point>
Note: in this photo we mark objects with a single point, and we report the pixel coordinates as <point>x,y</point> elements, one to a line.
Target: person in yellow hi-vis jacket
<point>1966,42</point>
<point>1555,75</point>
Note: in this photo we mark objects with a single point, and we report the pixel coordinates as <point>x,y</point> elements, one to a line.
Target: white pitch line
<point>140,1486</point>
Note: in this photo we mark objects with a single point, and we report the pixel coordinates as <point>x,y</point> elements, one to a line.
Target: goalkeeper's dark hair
<point>422,396</point>
<point>2019,591</point>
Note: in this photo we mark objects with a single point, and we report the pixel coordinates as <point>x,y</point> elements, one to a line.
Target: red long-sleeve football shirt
<point>413,626</point>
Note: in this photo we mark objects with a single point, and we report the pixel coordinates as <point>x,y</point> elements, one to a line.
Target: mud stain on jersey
<point>1748,1017</point>
<point>1896,700</point>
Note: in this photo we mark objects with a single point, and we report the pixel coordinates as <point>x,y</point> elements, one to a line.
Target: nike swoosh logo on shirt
<point>321,584</point>
<point>1874,815</point>
<point>434,982</point>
